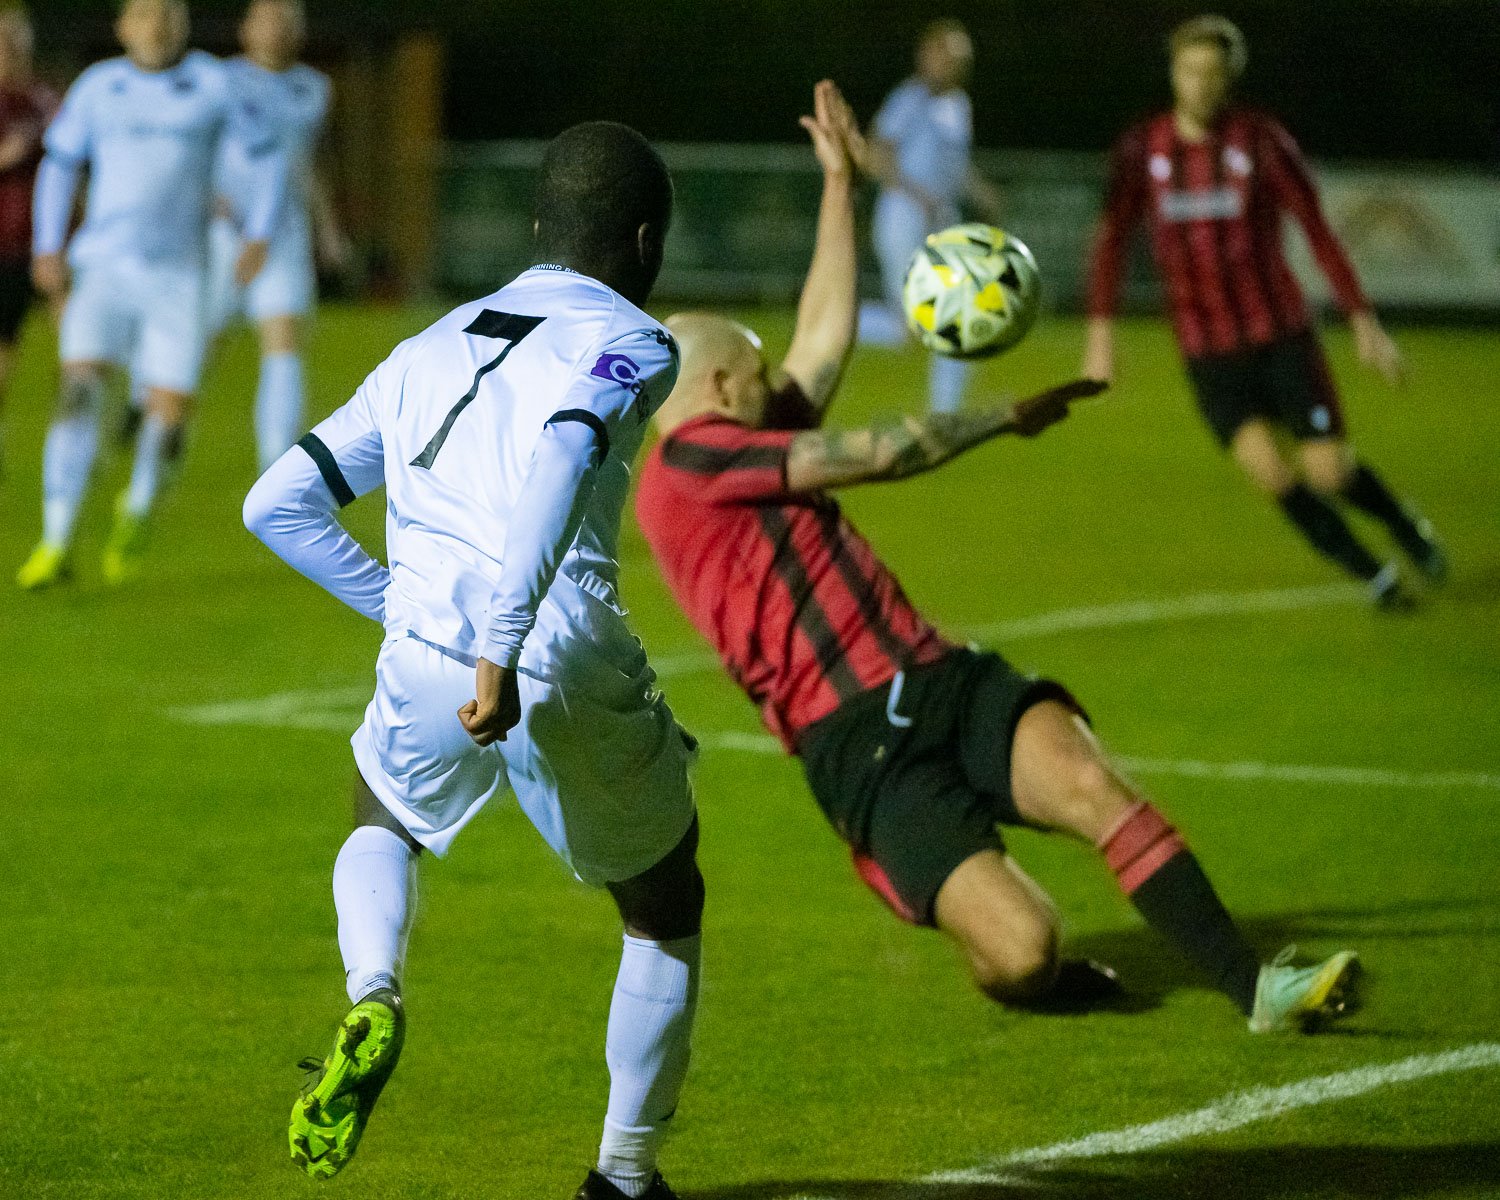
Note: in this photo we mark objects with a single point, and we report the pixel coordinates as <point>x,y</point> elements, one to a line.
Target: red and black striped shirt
<point>1214,212</point>
<point>799,608</point>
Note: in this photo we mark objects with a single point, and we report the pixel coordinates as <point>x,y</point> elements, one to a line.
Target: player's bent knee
<point>1022,969</point>
<point>665,902</point>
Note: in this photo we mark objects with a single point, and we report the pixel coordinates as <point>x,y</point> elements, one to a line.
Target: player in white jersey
<point>293,99</point>
<point>504,435</point>
<point>147,127</point>
<point>919,154</point>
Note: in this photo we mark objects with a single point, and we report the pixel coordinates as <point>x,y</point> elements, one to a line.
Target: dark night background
<point>1405,79</point>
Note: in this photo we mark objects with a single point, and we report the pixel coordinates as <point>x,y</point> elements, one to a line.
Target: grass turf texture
<point>166,888</point>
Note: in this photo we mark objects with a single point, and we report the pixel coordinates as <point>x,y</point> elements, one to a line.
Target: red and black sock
<point>1329,533</point>
<point>1168,887</point>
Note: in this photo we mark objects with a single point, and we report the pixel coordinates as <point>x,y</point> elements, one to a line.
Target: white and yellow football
<point>971,291</point>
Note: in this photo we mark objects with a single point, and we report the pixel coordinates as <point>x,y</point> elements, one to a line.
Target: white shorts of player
<point>287,285</point>
<point>599,765</point>
<point>900,225</point>
<point>148,316</point>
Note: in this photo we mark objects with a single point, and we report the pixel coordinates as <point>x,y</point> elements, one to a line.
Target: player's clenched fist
<point>496,706</point>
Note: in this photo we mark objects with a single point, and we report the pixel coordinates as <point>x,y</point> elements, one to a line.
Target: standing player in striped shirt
<point>914,747</point>
<point>1212,181</point>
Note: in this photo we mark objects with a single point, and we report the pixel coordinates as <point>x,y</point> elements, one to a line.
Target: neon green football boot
<point>1290,999</point>
<point>47,567</point>
<point>126,548</point>
<point>330,1115</point>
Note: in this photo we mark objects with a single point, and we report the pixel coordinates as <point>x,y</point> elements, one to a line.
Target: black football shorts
<point>915,775</point>
<point>1285,382</point>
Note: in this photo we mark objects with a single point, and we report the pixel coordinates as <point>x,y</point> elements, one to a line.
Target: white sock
<point>155,444</point>
<point>647,1048</point>
<point>374,891</point>
<point>68,457</point>
<point>946,380</point>
<point>278,406</point>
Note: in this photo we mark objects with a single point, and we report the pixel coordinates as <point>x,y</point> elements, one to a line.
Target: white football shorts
<point>598,764</point>
<point>287,285</point>
<point>148,316</point>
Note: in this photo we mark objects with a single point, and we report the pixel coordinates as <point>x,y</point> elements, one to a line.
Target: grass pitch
<point>165,889</point>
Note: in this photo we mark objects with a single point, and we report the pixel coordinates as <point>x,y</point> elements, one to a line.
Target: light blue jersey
<point>293,104</point>
<point>932,136</point>
<point>150,141</point>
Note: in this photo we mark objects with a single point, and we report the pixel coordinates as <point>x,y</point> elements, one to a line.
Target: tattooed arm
<point>899,449</point>
<point>827,312</point>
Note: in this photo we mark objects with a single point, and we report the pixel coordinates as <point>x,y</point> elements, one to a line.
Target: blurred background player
<point>148,128</point>
<point>293,99</point>
<point>25,109</point>
<point>914,748</point>
<point>919,154</point>
<point>1211,180</point>
<point>504,436</point>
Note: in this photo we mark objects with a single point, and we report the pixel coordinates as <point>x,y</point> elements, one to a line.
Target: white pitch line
<point>1235,772</point>
<point>1102,616</point>
<point>1179,608</point>
<point>326,709</point>
<point>1232,1112</point>
<point>1292,773</point>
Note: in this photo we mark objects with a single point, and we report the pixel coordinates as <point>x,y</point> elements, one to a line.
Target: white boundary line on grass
<point>1105,616</point>
<point>1234,772</point>
<point>1233,1111</point>
<point>335,710</point>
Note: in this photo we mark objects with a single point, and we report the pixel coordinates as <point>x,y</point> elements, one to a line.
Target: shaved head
<point>722,371</point>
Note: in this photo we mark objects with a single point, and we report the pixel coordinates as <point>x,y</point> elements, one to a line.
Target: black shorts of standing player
<point>16,297</point>
<point>1285,382</point>
<point>915,775</point>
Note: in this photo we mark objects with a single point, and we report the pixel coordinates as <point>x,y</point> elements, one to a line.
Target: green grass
<point>165,886</point>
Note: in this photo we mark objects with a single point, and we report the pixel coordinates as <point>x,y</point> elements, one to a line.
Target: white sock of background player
<point>946,380</point>
<point>157,447</point>
<point>374,892</point>
<point>68,457</point>
<point>647,1046</point>
<point>279,405</point>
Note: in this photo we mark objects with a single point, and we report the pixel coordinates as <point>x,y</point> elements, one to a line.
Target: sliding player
<point>919,154</point>
<point>504,436</point>
<point>25,109</point>
<point>1211,180</point>
<point>147,128</point>
<point>294,100</point>
<point>914,747</point>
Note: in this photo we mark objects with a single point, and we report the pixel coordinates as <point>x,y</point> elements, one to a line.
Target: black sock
<point>1168,887</point>
<point>1180,903</point>
<point>1368,493</point>
<point>1328,532</point>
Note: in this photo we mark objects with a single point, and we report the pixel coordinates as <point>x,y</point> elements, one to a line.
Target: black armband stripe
<point>328,467</point>
<point>711,460</point>
<point>584,417</point>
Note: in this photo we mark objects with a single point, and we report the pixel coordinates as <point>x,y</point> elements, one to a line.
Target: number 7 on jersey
<point>510,327</point>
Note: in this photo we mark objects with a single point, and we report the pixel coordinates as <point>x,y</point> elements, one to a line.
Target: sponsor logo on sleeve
<point>618,368</point>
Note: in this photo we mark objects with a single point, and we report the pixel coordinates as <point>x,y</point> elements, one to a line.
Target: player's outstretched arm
<point>822,459</point>
<point>828,311</point>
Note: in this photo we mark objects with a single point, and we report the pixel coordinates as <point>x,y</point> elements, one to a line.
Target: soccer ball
<point>971,291</point>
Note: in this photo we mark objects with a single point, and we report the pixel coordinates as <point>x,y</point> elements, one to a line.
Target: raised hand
<point>836,137</point>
